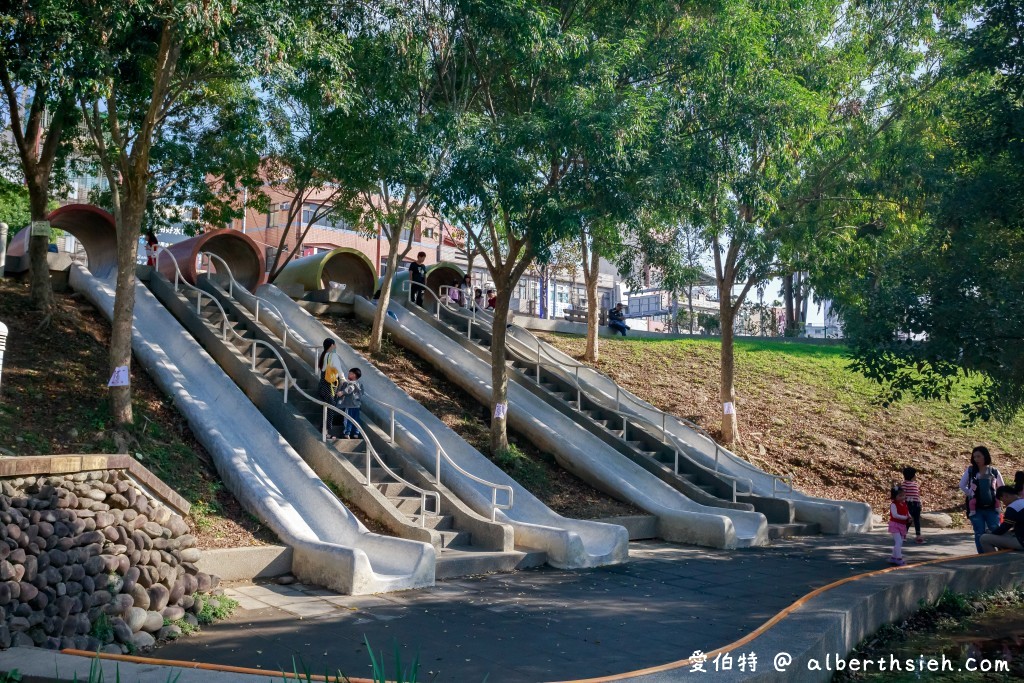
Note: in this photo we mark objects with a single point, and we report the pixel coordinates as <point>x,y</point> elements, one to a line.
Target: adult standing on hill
<point>980,482</point>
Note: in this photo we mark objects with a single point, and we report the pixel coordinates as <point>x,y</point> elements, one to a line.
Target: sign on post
<point>3,345</point>
<point>120,377</point>
<point>41,229</point>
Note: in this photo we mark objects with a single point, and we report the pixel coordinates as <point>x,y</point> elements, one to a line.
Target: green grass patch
<point>211,613</point>
<point>530,474</point>
<point>819,366</point>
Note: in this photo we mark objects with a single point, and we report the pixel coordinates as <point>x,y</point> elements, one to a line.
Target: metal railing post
<point>323,427</point>
<point>253,368</point>
<point>392,425</point>
<point>437,468</point>
<point>286,383</point>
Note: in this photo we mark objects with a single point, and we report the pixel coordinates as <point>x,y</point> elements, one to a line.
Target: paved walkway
<point>545,624</point>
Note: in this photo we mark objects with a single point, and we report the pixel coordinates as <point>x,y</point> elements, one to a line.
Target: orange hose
<point>601,679</point>
<point>766,625</point>
<point>202,665</point>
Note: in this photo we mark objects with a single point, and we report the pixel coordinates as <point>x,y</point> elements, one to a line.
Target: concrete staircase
<point>390,497</point>
<point>632,437</point>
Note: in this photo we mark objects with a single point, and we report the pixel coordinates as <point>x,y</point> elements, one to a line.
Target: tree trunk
<point>377,331</point>
<point>787,295</point>
<point>803,299</point>
<point>39,268</point>
<point>129,227</point>
<point>590,273</point>
<point>499,371</point>
<point>727,388</point>
<point>689,304</point>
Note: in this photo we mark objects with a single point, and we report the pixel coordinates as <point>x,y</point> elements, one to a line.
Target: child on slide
<point>899,516</point>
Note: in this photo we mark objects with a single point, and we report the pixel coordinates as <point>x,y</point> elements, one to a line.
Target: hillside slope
<point>53,401</point>
<point>802,411</point>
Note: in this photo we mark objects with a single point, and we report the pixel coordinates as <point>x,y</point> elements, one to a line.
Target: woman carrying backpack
<point>330,375</point>
<point>979,484</point>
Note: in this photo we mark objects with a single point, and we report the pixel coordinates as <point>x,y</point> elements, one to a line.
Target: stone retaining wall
<point>94,554</point>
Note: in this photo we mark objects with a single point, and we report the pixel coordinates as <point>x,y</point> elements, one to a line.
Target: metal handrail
<point>441,452</point>
<point>666,436</point>
<point>258,300</point>
<point>290,381</point>
<point>619,393</point>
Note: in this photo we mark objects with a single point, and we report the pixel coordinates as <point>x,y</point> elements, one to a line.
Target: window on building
<point>309,211</point>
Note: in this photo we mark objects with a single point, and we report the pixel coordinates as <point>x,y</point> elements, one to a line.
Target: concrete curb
<point>827,623</point>
<point>30,465</point>
<point>245,564</point>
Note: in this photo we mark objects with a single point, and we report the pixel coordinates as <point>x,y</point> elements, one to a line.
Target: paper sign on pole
<point>41,229</point>
<point>728,408</point>
<point>120,377</point>
<point>500,410</point>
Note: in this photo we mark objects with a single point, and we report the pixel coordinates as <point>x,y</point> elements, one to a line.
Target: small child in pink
<point>899,515</point>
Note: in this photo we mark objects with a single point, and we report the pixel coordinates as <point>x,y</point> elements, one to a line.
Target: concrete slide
<point>576,449</point>
<point>569,543</point>
<point>331,547</point>
<point>834,516</point>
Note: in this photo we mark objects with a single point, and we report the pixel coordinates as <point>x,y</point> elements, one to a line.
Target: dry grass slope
<point>53,401</point>
<point>802,411</point>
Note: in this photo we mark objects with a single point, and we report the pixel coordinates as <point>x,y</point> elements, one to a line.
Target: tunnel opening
<point>315,273</point>
<point>242,256</point>
<point>94,229</point>
<point>438,275</point>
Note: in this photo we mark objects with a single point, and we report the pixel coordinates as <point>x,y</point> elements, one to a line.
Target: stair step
<point>456,561</point>
<point>350,447</point>
<point>408,504</point>
<point>455,538</point>
<point>436,522</point>
<point>378,473</point>
<point>777,531</point>
<point>394,489</point>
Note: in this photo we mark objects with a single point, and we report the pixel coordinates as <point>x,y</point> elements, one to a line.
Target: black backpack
<point>984,494</point>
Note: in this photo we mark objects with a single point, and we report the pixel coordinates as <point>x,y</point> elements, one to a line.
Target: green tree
<point>14,205</point>
<point>39,51</point>
<point>558,121</point>
<point>409,94</point>
<point>768,96</point>
<point>928,280</point>
<point>150,67</point>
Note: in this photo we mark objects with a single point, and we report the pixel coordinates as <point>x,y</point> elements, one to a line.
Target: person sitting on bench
<point>617,320</point>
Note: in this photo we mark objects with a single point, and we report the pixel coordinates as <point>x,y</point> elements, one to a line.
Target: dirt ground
<point>536,471</point>
<point>803,412</point>
<point>53,401</point>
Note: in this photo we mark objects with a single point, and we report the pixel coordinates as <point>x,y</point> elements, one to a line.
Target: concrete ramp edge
<point>835,516</point>
<point>331,548</point>
<point>569,543</point>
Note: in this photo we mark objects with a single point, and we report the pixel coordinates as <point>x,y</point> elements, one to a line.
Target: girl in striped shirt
<point>913,490</point>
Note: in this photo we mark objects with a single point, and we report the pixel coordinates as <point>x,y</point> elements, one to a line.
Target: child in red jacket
<point>899,515</point>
